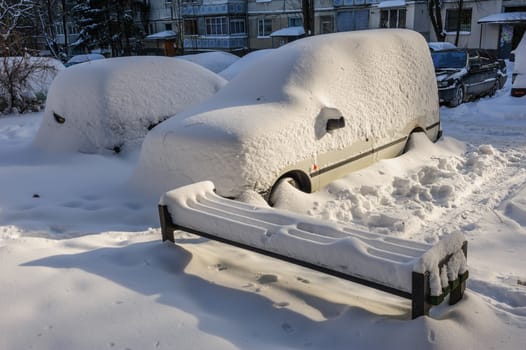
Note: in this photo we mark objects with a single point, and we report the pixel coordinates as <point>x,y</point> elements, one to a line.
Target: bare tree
<point>435,15</point>
<point>12,14</point>
<point>21,73</point>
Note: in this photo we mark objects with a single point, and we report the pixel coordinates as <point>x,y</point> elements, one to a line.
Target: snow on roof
<point>216,61</point>
<point>505,17</point>
<point>166,34</point>
<point>391,3</point>
<point>290,31</point>
<point>113,102</point>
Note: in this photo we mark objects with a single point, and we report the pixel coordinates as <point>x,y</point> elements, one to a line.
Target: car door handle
<point>333,124</point>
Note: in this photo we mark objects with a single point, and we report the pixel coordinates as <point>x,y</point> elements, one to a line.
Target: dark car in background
<point>463,75</point>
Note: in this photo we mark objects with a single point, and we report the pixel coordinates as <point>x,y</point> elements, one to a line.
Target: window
<point>264,27</point>
<point>452,20</point>
<point>295,22</point>
<point>190,26</point>
<point>237,26</point>
<point>216,26</point>
<point>168,26</point>
<point>326,24</point>
<point>392,18</point>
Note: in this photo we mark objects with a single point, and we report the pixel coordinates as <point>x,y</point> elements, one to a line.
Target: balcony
<point>215,43</point>
<point>340,3</point>
<point>227,8</point>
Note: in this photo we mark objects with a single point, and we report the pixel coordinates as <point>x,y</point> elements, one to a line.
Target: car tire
<point>459,96</point>
<point>276,188</point>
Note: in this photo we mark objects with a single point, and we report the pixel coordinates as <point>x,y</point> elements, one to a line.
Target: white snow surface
<point>216,61</point>
<point>82,265</point>
<point>245,62</point>
<point>240,137</point>
<point>112,103</point>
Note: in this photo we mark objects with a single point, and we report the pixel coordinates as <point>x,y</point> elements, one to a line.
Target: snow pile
<point>424,192</point>
<point>216,61</point>
<point>244,63</point>
<point>244,136</point>
<point>107,104</point>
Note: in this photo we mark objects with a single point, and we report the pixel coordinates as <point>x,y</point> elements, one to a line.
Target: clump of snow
<point>243,137</point>
<point>109,104</point>
<point>244,63</point>
<point>216,61</point>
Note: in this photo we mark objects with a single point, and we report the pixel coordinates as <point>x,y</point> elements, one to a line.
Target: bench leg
<point>420,289</point>
<point>167,226</point>
<point>458,292</point>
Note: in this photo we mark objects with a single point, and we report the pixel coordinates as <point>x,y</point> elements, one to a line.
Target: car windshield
<point>449,59</point>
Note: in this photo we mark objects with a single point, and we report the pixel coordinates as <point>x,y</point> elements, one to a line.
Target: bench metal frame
<point>420,295</point>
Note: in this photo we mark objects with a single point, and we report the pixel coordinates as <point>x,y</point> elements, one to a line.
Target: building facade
<point>244,25</point>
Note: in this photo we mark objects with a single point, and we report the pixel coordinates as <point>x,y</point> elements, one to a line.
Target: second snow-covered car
<point>518,86</point>
<point>461,76</point>
<point>319,108</point>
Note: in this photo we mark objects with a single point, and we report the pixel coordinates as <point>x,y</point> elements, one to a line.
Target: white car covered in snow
<point>518,86</point>
<point>105,105</point>
<point>322,107</point>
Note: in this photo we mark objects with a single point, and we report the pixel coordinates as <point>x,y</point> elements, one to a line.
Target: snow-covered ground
<point>82,265</point>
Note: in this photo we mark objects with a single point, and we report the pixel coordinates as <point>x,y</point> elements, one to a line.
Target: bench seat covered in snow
<point>424,273</point>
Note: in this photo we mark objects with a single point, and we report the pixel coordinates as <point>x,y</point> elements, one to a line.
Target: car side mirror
<point>333,124</point>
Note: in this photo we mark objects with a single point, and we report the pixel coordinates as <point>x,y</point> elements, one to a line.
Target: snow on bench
<point>424,273</point>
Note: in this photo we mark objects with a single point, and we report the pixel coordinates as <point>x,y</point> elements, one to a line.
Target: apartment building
<point>244,25</point>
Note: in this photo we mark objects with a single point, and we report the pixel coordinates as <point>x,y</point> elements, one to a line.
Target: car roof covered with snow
<point>244,62</point>
<point>216,61</point>
<point>275,113</point>
<point>105,104</point>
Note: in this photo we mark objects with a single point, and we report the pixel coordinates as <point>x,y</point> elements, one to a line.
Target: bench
<point>425,274</point>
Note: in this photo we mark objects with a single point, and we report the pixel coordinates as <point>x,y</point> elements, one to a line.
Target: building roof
<point>505,17</point>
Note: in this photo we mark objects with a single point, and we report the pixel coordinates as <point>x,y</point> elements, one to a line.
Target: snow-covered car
<point>216,61</point>
<point>77,59</point>
<point>518,86</point>
<point>112,103</point>
<point>461,76</point>
<point>322,107</point>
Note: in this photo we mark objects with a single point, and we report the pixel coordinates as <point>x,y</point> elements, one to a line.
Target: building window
<point>392,18</point>
<point>237,26</point>
<point>168,26</point>
<point>326,24</point>
<point>216,26</point>
<point>295,22</point>
<point>264,27</point>
<point>190,26</point>
<point>452,20</point>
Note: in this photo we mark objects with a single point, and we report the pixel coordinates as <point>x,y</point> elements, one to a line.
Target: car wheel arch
<point>301,179</point>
